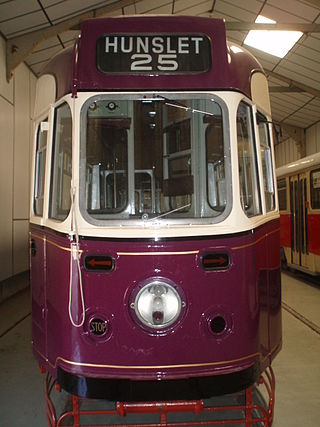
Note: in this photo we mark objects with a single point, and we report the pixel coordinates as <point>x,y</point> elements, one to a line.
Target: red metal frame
<point>252,413</point>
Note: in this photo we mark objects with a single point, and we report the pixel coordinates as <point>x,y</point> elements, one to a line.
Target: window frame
<point>220,192</point>
<point>43,173</point>
<point>282,179</point>
<point>124,217</point>
<point>53,192</point>
<point>317,170</point>
<point>254,164</point>
<point>268,180</point>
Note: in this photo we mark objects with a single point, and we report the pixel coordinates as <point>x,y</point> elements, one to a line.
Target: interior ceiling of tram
<point>37,29</point>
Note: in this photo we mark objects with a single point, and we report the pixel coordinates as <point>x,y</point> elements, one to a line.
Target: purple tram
<point>154,229</point>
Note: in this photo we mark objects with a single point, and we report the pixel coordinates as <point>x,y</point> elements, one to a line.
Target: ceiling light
<point>277,43</point>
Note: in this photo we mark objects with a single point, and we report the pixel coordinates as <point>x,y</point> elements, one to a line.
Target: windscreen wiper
<point>177,104</point>
<point>145,217</point>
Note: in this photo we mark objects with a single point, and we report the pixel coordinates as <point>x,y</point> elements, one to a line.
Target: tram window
<point>265,149</point>
<point>216,182</point>
<point>143,158</point>
<point>40,164</point>
<point>107,167</point>
<point>315,189</point>
<point>60,199</point>
<point>249,183</point>
<point>282,194</point>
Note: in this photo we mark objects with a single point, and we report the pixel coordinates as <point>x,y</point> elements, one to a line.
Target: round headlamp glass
<point>157,305</point>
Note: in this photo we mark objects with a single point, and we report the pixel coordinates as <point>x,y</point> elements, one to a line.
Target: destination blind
<point>156,53</point>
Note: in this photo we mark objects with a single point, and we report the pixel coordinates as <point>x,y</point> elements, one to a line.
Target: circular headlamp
<point>157,305</point>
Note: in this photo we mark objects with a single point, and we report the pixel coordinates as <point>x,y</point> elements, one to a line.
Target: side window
<point>60,199</point>
<point>315,189</point>
<point>265,149</point>
<point>282,194</point>
<point>216,182</point>
<point>249,182</point>
<point>40,165</point>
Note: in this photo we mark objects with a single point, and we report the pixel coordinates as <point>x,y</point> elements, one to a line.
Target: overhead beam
<point>315,3</point>
<point>247,26</point>
<point>18,48</point>
<point>284,89</point>
<point>294,84</point>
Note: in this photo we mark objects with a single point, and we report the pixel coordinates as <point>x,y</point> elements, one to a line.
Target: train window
<point>282,194</point>
<point>139,158</point>
<point>216,182</point>
<point>60,199</point>
<point>315,189</point>
<point>265,149</point>
<point>107,160</point>
<point>41,150</point>
<point>249,183</point>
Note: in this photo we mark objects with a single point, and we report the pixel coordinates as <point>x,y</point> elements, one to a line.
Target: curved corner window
<point>144,158</point>
<point>266,158</point>
<point>216,180</point>
<point>60,198</point>
<point>248,175</point>
<point>40,166</point>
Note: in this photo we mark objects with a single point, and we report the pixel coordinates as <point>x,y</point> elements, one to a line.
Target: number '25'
<point>166,62</point>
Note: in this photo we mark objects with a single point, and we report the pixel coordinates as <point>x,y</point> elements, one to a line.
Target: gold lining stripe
<point>37,236</point>
<point>63,248</point>
<point>195,252</point>
<point>190,365</point>
<point>256,241</point>
<point>157,253</point>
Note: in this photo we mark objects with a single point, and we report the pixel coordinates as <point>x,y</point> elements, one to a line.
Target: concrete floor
<point>297,367</point>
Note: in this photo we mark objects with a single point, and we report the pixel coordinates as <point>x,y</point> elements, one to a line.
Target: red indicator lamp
<point>215,261</point>
<point>98,263</point>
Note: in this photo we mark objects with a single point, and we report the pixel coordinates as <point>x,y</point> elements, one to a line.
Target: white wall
<point>16,106</point>
<point>286,152</point>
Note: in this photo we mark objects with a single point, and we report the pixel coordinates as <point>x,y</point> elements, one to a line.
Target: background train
<point>154,230</point>
<point>299,204</point>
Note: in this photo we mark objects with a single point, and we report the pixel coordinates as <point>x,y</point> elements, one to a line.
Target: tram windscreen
<point>153,158</point>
